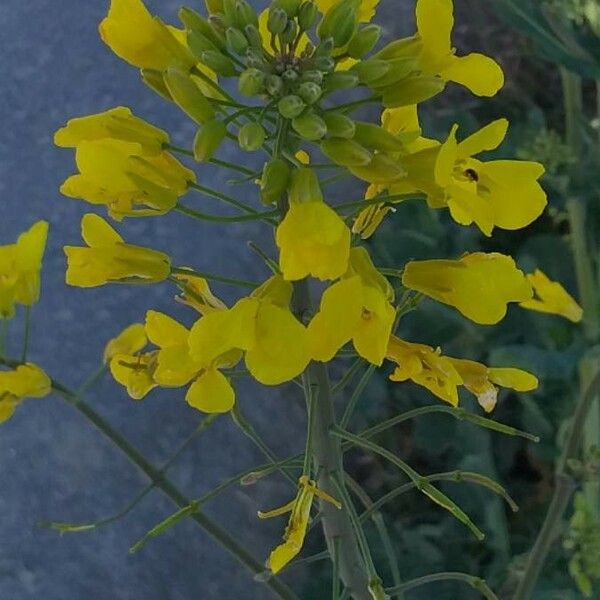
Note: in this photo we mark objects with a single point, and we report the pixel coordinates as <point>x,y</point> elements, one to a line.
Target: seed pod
<point>309,92</point>
<point>188,96</point>
<point>219,63</point>
<point>381,170</point>
<point>412,90</point>
<point>274,85</point>
<point>373,136</point>
<point>277,20</point>
<point>313,75</point>
<point>325,64</point>
<point>251,82</point>
<point>208,139</point>
<point>291,106</point>
<point>251,136</point>
<point>274,180</point>
<point>253,36</point>
<point>371,70</point>
<point>236,41</point>
<point>244,14</point>
<point>364,41</point>
<point>290,6</point>
<point>310,126</point>
<point>307,15</point>
<point>340,22</point>
<point>400,68</point>
<point>339,125</point>
<point>154,80</point>
<point>289,33</point>
<point>304,186</point>
<point>346,153</point>
<point>340,80</point>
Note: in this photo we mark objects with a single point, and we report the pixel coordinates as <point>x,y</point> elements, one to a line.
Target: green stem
<point>3,335</point>
<point>26,333</point>
<point>345,380</point>
<point>232,166</point>
<point>356,394</point>
<point>475,582</point>
<point>391,198</point>
<point>264,216</point>
<point>212,277</point>
<point>223,197</point>
<point>354,105</point>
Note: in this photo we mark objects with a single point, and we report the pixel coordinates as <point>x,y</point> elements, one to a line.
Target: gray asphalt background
<point>53,466</point>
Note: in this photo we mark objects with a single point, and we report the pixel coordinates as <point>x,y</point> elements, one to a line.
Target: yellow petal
<point>211,393</point>
<point>487,138</point>
<point>515,379</point>
<point>164,331</point>
<point>134,372</point>
<point>97,233</point>
<point>131,340</point>
<point>435,21</point>
<point>478,73</point>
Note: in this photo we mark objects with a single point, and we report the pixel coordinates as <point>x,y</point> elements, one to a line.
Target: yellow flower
<point>500,193</point>
<point>366,10</point>
<point>129,182</point>
<point>357,308</point>
<point>117,123</point>
<point>479,285</point>
<point>134,371</point>
<point>109,259</point>
<point>297,526</point>
<point>26,381</point>
<point>142,40</point>
<point>274,341</point>
<point>20,266</point>
<point>426,367</point>
<point>482,380</point>
<point>131,340</point>
<point>312,238</point>
<point>197,293</point>
<point>551,297</point>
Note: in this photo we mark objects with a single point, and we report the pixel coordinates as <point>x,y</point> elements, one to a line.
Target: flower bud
<point>214,6</point>
<point>412,90</point>
<point>310,126</point>
<point>305,186</point>
<point>154,80</point>
<point>373,136</point>
<point>198,43</point>
<point>277,20</point>
<point>208,139</point>
<point>313,75</point>
<point>364,41</point>
<point>341,80</point>
<point>290,76</point>
<point>291,106</point>
<point>339,125</point>
<point>251,82</point>
<point>229,13</point>
<point>253,36</point>
<point>325,48</point>
<point>400,68</point>
<point>188,96</point>
<point>371,70</point>
<point>254,59</point>
<point>251,136</point>
<point>236,41</point>
<point>274,85</point>
<point>217,24</point>
<point>340,22</point>
<point>290,32</point>
<point>307,15</point>
<point>290,6</point>
<point>195,22</point>
<point>244,14</point>
<point>346,153</point>
<point>381,170</point>
<point>219,63</point>
<point>309,92</point>
<point>325,64</point>
<point>274,180</point>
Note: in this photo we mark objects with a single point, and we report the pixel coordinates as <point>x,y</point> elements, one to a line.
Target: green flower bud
<point>274,180</point>
<point>325,64</point>
<point>188,96</point>
<point>208,139</point>
<point>219,63</point>
<point>305,186</point>
<point>373,136</point>
<point>291,106</point>
<point>255,59</point>
<point>400,68</point>
<point>290,76</point>
<point>154,80</point>
<point>214,6</point>
<point>310,126</point>
<point>251,82</point>
<point>195,22</point>
<point>371,70</point>
<point>290,32</point>
<point>236,41</point>
<point>307,15</point>
<point>340,22</point>
<point>198,43</point>
<point>339,125</point>
<point>314,76</point>
<point>251,136</point>
<point>309,92</point>
<point>325,48</point>
<point>346,153</point>
<point>253,36</point>
<point>364,41</point>
<point>244,14</point>
<point>218,25</point>
<point>381,170</point>
<point>290,6</point>
<point>229,13</point>
<point>277,20</point>
<point>341,80</point>
<point>402,48</point>
<point>274,85</point>
<point>412,90</point>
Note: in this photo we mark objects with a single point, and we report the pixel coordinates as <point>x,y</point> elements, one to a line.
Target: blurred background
<point>54,467</point>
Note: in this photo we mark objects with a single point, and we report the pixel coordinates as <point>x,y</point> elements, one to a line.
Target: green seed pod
<point>219,63</point>
<point>274,180</point>
<point>251,82</point>
<point>381,170</point>
<point>310,126</point>
<point>188,96</point>
<point>154,80</point>
<point>371,70</point>
<point>236,41</point>
<point>290,76</point>
<point>364,41</point>
<point>244,14</point>
<point>251,136</point>
<point>309,92</point>
<point>373,136</point>
<point>325,64</point>
<point>400,68</point>
<point>277,20</point>
<point>340,22</point>
<point>290,32</point>
<point>339,125</point>
<point>214,6</point>
<point>307,15</point>
<point>253,36</point>
<point>198,43</point>
<point>304,186</point>
<point>340,80</point>
<point>290,6</point>
<point>291,106</point>
<point>208,139</point>
<point>412,90</point>
<point>325,48</point>
<point>346,153</point>
<point>274,85</point>
<point>314,76</point>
